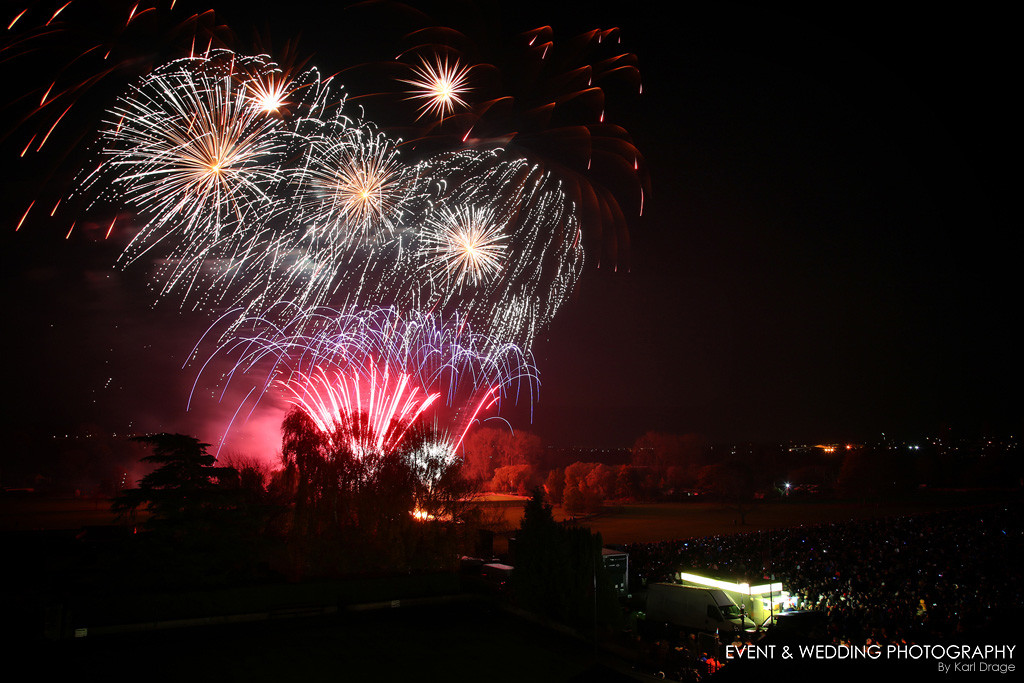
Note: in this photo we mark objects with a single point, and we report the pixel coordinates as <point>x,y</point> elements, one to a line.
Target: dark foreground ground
<point>463,640</point>
<point>454,637</point>
<point>460,641</point>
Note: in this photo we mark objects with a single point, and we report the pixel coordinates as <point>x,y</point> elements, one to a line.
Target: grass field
<point>651,522</point>
<point>668,521</point>
<point>617,523</point>
<point>39,513</point>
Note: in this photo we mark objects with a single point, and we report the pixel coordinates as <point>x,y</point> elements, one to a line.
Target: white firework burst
<point>187,149</point>
<point>466,244</point>
<point>440,85</point>
<point>507,260</point>
<point>188,146</point>
<point>351,184</point>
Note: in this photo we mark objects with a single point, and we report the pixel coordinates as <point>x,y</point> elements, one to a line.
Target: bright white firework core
<point>440,86</point>
<point>467,244</point>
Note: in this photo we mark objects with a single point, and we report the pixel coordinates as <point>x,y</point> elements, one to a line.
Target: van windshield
<point>730,611</point>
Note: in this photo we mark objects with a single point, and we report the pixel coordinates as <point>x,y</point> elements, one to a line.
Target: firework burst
<point>372,374</point>
<point>190,152</point>
<point>256,185</point>
<point>548,97</point>
<point>440,85</point>
<point>466,244</point>
<point>351,185</point>
<point>500,244</point>
<point>369,406</point>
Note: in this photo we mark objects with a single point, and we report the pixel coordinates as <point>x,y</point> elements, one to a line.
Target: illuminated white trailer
<point>694,607</point>
<point>759,601</point>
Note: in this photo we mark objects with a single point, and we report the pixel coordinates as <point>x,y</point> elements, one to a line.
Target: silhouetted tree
<point>519,479</point>
<point>206,524</point>
<point>559,571</point>
<point>586,485</point>
<point>370,509</point>
<point>185,488</point>
<point>629,483</point>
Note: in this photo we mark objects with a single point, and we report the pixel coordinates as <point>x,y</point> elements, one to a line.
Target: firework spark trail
<point>389,365</point>
<point>58,62</point>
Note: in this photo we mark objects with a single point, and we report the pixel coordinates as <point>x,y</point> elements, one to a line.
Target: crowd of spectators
<point>925,578</point>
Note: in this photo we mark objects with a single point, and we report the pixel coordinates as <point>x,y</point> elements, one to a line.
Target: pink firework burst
<point>370,409</point>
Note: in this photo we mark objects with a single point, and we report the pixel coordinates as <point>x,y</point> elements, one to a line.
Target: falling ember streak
<point>58,12</point>
<point>45,137</point>
<point>111,228</point>
<point>24,215</point>
<point>232,421</point>
<point>15,19</point>
<point>148,9</point>
<point>25,151</point>
<point>68,236</point>
<point>490,398</point>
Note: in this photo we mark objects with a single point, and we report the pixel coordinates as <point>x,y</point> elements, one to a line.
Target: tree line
<point>332,507</point>
<point>329,509</point>
<point>664,466</point>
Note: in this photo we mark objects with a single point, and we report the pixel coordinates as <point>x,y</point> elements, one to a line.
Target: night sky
<point>826,252</point>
